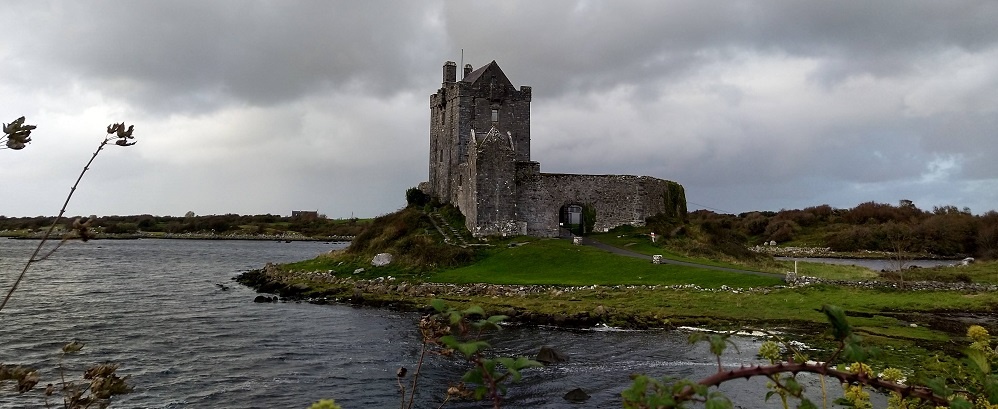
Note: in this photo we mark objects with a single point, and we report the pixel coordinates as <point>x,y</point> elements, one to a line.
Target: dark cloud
<point>260,106</point>
<point>568,46</point>
<point>190,56</point>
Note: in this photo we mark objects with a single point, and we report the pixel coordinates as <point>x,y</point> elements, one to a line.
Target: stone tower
<point>482,99</point>
<point>480,162</point>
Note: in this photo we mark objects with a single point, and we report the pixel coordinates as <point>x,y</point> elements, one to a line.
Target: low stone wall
<point>801,281</point>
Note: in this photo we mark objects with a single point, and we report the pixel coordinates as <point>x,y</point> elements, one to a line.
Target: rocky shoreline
<point>398,295</point>
<point>324,287</point>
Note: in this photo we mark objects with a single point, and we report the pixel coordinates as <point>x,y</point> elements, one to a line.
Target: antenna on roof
<point>462,61</point>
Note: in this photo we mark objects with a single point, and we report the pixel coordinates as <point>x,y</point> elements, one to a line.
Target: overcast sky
<point>255,107</point>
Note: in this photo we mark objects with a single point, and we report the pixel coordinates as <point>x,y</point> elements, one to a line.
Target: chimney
<point>450,71</point>
<point>467,70</point>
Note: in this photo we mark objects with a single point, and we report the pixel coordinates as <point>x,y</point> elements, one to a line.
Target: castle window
<point>495,115</point>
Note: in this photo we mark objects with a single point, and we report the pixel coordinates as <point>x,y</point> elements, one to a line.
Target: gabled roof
<point>491,68</point>
<point>491,137</point>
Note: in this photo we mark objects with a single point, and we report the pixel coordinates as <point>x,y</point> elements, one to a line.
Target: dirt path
<point>617,250</point>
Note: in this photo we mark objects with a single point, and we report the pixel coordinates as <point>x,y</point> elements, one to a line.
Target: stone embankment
<point>325,287</point>
<point>271,279</point>
<point>801,281</point>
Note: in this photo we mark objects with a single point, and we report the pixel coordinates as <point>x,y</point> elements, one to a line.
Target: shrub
<point>414,197</point>
<point>781,230</point>
<point>852,238</point>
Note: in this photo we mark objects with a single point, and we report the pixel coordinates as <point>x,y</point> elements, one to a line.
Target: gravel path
<point>617,250</point>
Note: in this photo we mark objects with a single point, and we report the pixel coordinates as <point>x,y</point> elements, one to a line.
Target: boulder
<point>548,356</point>
<point>296,289</point>
<point>577,395</point>
<point>264,298</point>
<point>599,311</point>
<point>358,297</point>
<point>381,260</point>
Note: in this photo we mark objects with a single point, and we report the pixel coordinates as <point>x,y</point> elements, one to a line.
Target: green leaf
<point>960,403</point>
<point>490,367</point>
<point>938,387</point>
<point>696,337</point>
<point>450,341</point>
<point>486,325</point>
<point>717,344</point>
<point>837,317</point>
<point>471,348</point>
<point>792,386</point>
<point>700,389</point>
<point>979,361</point>
<point>854,352</point>
<point>516,374</point>
<point>438,304</point>
<point>717,400</point>
<point>474,310</point>
<point>806,404</point>
<point>991,388</point>
<point>635,393</point>
<point>474,376</point>
<point>524,363</point>
<point>660,401</point>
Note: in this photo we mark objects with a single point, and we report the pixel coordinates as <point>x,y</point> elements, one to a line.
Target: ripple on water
<point>154,307</point>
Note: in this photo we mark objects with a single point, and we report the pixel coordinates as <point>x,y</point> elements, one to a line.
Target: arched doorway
<point>571,218</point>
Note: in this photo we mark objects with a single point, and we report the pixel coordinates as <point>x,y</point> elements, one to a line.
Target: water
<point>154,307</point>
<point>873,264</point>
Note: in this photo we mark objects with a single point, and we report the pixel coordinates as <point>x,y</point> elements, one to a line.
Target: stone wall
<point>492,168</point>
<point>459,107</point>
<point>617,199</point>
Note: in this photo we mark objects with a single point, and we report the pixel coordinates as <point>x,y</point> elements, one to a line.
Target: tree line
<point>225,224</point>
<point>945,231</point>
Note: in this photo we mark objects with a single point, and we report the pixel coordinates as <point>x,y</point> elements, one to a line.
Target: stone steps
<point>450,234</point>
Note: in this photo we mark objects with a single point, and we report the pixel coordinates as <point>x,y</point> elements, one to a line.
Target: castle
<point>480,163</point>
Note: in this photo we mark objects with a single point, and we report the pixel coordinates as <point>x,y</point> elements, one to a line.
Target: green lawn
<point>558,262</point>
<point>642,244</point>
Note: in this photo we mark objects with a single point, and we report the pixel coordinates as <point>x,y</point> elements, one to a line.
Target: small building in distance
<point>305,214</point>
<point>480,162</point>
